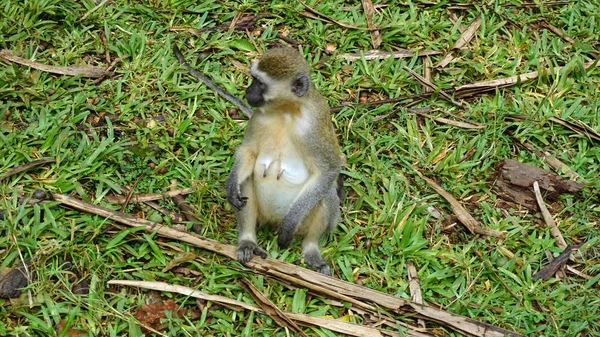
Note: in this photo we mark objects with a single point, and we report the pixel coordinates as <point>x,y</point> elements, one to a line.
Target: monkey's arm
<point>313,192</point>
<point>242,168</point>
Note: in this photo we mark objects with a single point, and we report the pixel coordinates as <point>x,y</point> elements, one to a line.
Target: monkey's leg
<point>246,221</point>
<point>315,226</point>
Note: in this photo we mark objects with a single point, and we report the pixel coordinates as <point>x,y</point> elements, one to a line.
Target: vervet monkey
<point>287,170</point>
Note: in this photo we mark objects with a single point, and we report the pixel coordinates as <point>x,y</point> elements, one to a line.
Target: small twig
<point>415,288</point>
<point>383,101</point>
<point>138,198</point>
<point>83,71</point>
<point>209,83</point>
<point>382,55</point>
<point>271,309</point>
<point>427,73</point>
<point>522,5</point>
<point>130,192</point>
<point>27,166</point>
<point>462,41</point>
<point>554,231</point>
<point>369,10</point>
<point>464,125</point>
<point>93,9</point>
<point>320,16</point>
<point>580,128</point>
<point>433,87</point>
<point>461,213</point>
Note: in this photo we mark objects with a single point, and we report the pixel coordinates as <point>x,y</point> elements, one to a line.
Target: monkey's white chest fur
<point>278,179</point>
<point>280,172</point>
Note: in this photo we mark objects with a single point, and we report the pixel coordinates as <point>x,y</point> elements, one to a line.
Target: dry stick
<point>462,41</point>
<point>432,86</point>
<point>84,71</point>
<point>369,10</point>
<point>477,88</point>
<point>461,213</point>
<point>139,198</point>
<point>415,289</point>
<point>27,166</point>
<point>320,16</point>
<point>383,101</point>
<point>554,231</point>
<point>427,73</point>
<point>464,125</point>
<point>271,309</point>
<point>522,5</point>
<point>582,129</point>
<point>382,55</point>
<point>331,324</point>
<point>214,87</point>
<point>317,282</point>
<point>130,192</point>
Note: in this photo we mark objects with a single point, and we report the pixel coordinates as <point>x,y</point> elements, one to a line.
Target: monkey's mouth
<point>255,102</point>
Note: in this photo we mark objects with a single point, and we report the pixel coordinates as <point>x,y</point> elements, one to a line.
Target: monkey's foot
<point>237,201</point>
<point>247,250</point>
<point>316,262</point>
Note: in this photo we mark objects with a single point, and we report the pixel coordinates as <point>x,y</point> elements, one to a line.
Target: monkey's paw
<point>284,238</point>
<point>247,250</point>
<point>237,201</point>
<point>315,261</point>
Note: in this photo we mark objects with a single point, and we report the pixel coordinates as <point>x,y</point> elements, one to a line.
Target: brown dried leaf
<point>70,332</point>
<point>150,315</point>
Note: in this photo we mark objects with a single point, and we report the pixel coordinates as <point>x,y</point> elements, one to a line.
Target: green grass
<point>46,115</point>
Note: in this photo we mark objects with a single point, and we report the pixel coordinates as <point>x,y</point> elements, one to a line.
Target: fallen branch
<point>331,324</point>
<point>83,71</point>
<point>315,281</point>
<point>461,213</point>
<point>554,231</point>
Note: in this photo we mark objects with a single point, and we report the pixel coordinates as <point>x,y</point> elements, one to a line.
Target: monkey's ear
<point>300,85</point>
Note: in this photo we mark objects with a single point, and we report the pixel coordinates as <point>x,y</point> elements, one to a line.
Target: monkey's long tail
<point>209,83</point>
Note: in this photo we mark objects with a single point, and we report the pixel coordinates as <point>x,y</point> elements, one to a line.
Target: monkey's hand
<point>237,200</point>
<point>285,234</point>
<point>247,249</point>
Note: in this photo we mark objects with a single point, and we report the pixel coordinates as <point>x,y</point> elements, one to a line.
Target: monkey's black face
<point>254,93</point>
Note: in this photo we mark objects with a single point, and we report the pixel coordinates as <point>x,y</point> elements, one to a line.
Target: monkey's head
<point>281,73</point>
